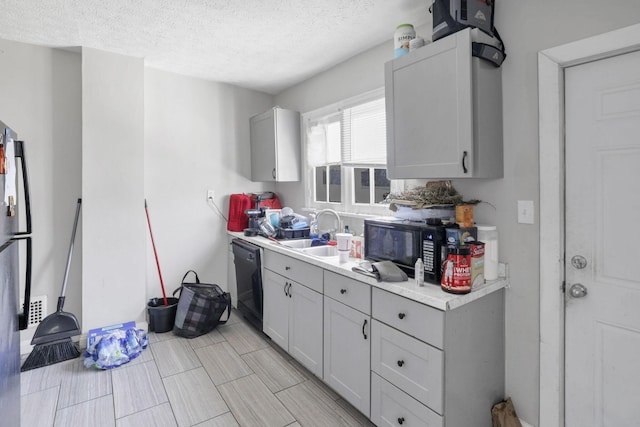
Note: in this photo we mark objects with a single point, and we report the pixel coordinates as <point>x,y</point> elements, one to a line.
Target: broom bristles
<point>50,353</point>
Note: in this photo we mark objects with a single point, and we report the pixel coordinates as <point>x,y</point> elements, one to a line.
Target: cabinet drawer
<point>411,365</point>
<point>390,406</point>
<point>348,291</point>
<point>419,320</point>
<point>296,270</point>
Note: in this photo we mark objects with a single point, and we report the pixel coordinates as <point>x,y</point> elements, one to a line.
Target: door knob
<point>577,290</point>
<point>579,262</point>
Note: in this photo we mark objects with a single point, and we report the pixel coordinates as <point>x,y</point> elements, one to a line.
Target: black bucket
<point>161,317</point>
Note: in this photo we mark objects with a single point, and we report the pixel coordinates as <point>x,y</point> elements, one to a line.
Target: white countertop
<point>429,294</point>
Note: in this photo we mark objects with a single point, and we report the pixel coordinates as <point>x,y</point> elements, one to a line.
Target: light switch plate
<point>525,212</point>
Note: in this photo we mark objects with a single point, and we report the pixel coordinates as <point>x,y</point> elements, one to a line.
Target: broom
<point>52,339</point>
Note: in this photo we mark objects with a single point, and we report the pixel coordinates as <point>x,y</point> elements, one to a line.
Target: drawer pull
<point>400,363</point>
<point>287,268</point>
<point>401,315</point>
<point>363,326</point>
<point>401,420</point>
<point>343,291</point>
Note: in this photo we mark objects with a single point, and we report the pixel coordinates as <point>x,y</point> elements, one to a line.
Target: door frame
<point>551,65</point>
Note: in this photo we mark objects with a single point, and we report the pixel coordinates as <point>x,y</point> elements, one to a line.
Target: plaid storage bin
<point>200,307</point>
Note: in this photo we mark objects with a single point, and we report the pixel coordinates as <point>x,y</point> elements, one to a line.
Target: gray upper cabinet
<point>275,146</point>
<point>444,113</point>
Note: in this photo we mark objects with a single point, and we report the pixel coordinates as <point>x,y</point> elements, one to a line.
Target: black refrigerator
<point>14,189</point>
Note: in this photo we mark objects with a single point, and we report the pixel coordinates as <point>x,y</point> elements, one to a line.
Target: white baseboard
<point>525,424</point>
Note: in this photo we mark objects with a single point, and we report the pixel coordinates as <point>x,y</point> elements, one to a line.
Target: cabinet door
<point>392,407</point>
<point>346,353</point>
<point>275,146</point>
<point>305,327</point>
<point>413,366</point>
<point>429,111</point>
<point>287,145</point>
<point>275,311</point>
<point>263,147</point>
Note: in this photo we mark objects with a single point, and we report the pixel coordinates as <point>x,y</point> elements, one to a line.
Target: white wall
<point>526,28</point>
<point>113,263</point>
<point>196,139</point>
<point>40,93</point>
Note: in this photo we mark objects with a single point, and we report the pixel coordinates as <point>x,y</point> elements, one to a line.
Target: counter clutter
<point>429,294</point>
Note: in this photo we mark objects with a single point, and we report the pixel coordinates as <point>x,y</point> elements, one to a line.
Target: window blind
<point>364,134</point>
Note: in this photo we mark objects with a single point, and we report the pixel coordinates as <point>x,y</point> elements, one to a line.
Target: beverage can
<point>401,38</point>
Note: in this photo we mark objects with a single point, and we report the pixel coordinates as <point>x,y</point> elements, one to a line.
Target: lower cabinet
<point>414,366</point>
<point>390,406</point>
<point>347,336</point>
<point>396,360</point>
<point>292,318</point>
<point>436,368</point>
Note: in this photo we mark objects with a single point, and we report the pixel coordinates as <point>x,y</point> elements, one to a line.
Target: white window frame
<point>347,205</point>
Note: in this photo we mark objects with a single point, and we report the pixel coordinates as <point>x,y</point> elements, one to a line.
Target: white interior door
<point>602,261</point>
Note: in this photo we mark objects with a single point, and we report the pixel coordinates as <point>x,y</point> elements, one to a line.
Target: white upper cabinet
<point>275,146</point>
<point>444,113</point>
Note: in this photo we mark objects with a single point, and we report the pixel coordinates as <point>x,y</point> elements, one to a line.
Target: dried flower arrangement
<point>433,195</point>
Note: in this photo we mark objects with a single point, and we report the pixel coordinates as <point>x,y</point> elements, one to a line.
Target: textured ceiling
<point>267,45</point>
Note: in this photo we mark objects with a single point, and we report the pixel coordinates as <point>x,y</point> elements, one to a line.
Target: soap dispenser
<point>313,228</point>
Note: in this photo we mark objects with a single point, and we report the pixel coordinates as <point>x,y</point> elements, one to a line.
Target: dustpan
<point>52,338</point>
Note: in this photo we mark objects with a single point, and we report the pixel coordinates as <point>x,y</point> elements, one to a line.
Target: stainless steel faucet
<point>335,214</point>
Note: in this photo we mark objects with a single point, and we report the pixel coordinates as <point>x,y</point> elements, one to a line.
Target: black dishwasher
<point>246,258</point>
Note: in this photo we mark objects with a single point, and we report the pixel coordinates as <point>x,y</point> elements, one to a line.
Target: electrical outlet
<point>210,196</point>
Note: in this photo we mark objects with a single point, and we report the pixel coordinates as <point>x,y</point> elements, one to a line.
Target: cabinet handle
<point>464,163</point>
<point>401,315</point>
<point>400,363</point>
<point>343,291</point>
<point>287,268</point>
<point>400,420</point>
<point>289,289</point>
<point>285,288</point>
<point>363,326</point>
<point>273,173</point>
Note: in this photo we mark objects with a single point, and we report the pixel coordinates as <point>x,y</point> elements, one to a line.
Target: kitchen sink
<point>296,244</point>
<point>321,251</point>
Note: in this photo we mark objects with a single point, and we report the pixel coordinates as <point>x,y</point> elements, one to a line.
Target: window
<point>346,155</point>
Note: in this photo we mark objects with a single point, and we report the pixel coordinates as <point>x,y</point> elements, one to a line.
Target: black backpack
<point>451,16</point>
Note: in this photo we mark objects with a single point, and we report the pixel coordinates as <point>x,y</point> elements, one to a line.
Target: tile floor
<point>233,376</point>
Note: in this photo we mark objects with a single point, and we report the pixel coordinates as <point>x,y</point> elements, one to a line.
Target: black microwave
<point>403,242</point>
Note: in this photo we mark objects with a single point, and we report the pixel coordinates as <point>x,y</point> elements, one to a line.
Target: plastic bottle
<point>313,227</point>
<point>489,235</point>
<point>403,35</point>
<point>419,272</point>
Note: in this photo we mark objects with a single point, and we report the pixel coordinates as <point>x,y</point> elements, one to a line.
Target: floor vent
<point>37,310</point>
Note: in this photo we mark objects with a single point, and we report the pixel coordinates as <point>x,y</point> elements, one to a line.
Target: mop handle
<point>164,296</point>
<point>66,270</point>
